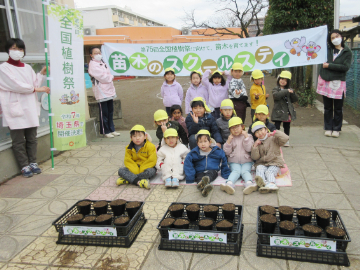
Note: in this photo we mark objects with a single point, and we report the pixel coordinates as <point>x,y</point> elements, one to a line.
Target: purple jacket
<point>239,151</point>
<point>172,94</point>
<point>192,93</point>
<point>217,93</point>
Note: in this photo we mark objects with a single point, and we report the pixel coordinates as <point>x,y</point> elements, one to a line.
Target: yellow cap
<point>202,132</point>
<point>160,115</point>
<point>138,128</point>
<point>197,71</point>
<point>237,66</point>
<point>170,132</point>
<point>261,109</point>
<point>227,104</point>
<point>217,71</point>
<point>203,100</point>
<point>257,74</point>
<point>285,74</point>
<point>235,121</point>
<point>169,69</point>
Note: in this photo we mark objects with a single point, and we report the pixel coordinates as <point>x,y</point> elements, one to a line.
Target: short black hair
<point>197,103</point>
<point>93,48</point>
<point>217,75</point>
<point>288,84</point>
<point>192,73</point>
<point>174,108</point>
<point>17,41</point>
<point>329,38</point>
<point>201,135</point>
<point>133,132</point>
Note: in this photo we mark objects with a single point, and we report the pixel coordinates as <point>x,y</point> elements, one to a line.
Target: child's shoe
<point>144,183</point>
<point>204,181</point>
<point>207,189</point>
<point>250,187</point>
<point>26,172</point>
<point>228,187</point>
<point>259,181</point>
<point>168,182</point>
<point>35,168</point>
<point>121,181</point>
<point>269,187</point>
<point>175,182</point>
<point>287,144</point>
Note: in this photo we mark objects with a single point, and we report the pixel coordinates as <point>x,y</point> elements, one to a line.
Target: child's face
<point>283,82</point>
<point>176,114</point>
<point>258,81</point>
<point>138,138</point>
<point>237,73</point>
<point>195,79</point>
<point>227,113</point>
<point>204,144</point>
<point>171,141</point>
<point>236,130</point>
<point>260,133</point>
<point>216,80</point>
<point>169,77</point>
<point>261,117</point>
<point>159,123</point>
<point>199,111</point>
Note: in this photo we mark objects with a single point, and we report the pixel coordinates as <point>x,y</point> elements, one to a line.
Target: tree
<point>230,15</point>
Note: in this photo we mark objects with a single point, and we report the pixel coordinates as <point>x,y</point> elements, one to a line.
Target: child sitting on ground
<point>266,152</point>
<point>262,114</point>
<point>200,118</point>
<point>196,89</point>
<point>171,91</point>
<point>258,94</point>
<point>170,158</point>
<point>237,149</point>
<point>227,112</point>
<point>203,163</point>
<point>176,115</point>
<point>140,160</point>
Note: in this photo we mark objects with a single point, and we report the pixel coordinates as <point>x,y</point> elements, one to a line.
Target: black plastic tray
<point>121,230</point>
<point>232,248</point>
<point>106,241</point>
<point>335,220</point>
<point>231,236</point>
<point>302,254</point>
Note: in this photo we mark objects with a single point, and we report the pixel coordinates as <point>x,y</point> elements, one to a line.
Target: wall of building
<point>101,18</point>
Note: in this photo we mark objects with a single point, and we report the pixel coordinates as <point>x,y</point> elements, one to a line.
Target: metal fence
<point>353,82</point>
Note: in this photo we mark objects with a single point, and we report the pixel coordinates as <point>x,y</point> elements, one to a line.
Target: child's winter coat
<point>175,125</point>
<point>239,150</point>
<point>193,92</point>
<point>217,93</point>
<point>207,122</point>
<point>172,94</point>
<point>144,159</point>
<point>181,121</point>
<point>283,105</point>
<point>223,126</point>
<point>257,89</point>
<point>270,126</point>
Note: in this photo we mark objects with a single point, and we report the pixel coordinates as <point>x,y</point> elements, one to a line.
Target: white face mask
<point>16,55</point>
<point>98,57</point>
<point>336,41</point>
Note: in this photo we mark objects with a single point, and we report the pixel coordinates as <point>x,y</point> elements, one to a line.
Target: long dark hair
<point>329,38</point>
<point>217,75</point>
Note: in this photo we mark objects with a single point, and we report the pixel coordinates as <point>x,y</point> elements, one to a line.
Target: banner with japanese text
<point>297,48</point>
<point>65,27</point>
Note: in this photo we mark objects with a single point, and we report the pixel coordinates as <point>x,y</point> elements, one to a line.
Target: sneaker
<point>269,187</point>
<point>328,133</point>
<point>250,187</point>
<point>168,182</point>
<point>204,181</point>
<point>335,134</point>
<point>115,133</point>
<point>121,181</point>
<point>109,135</point>
<point>207,189</point>
<point>259,181</point>
<point>175,182</point>
<point>287,144</point>
<point>228,187</point>
<point>144,183</point>
<point>26,172</point>
<point>35,168</point>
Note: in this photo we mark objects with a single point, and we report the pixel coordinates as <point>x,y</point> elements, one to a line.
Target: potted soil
<point>304,216</point>
<point>122,221</point>
<point>88,220</point>
<point>268,223</point>
<point>211,211</point>
<point>167,223</point>
<point>334,232</point>
<point>286,213</point>
<point>100,207</point>
<point>182,223</point>
<point>312,230</point>
<point>193,211</point>
<point>132,208</point>
<point>104,219</point>
<point>267,209</point>
<point>228,210</point>
<point>75,219</point>
<point>84,207</point>
<point>206,224</point>
<point>118,207</point>
<point>176,210</point>
<point>287,227</point>
<point>322,217</point>
<point>224,225</point>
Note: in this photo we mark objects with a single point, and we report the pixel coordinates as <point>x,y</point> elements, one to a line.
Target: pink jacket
<point>104,87</point>
<point>217,93</point>
<point>19,102</point>
<point>172,94</point>
<point>239,151</point>
<point>192,93</point>
<point>181,121</point>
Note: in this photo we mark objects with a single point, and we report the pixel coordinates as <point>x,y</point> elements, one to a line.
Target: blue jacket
<point>207,122</point>
<point>195,163</point>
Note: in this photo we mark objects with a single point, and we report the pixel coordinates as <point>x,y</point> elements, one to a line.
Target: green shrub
<point>306,97</point>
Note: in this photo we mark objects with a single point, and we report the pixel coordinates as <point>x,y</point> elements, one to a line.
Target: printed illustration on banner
<point>155,67</point>
<point>174,62</point>
<point>295,45</point>
<point>119,62</point>
<point>192,61</point>
<point>311,50</point>
<point>138,61</point>
<point>225,62</point>
<point>209,64</point>
<point>247,59</point>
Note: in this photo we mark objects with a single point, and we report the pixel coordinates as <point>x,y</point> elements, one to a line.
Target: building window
<point>4,28</point>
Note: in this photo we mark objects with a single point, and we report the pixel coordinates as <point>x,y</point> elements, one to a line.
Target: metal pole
<point>336,14</point>
<point>48,85</point>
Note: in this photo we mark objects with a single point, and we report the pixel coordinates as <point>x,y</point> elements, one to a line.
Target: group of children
<point>215,134</point>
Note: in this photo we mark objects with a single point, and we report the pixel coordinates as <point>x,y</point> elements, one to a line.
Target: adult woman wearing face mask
<point>332,83</point>
<point>104,92</point>
<point>20,105</point>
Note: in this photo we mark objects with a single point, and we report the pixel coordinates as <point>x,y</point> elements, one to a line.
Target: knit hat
<point>160,115</point>
<point>227,104</point>
<point>261,109</point>
<point>203,101</point>
<point>138,128</point>
<point>235,121</point>
<point>170,132</point>
<point>256,126</point>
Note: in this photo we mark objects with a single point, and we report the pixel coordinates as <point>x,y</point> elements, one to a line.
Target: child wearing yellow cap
<point>227,112</point>
<point>140,160</point>
<point>171,91</point>
<point>258,94</point>
<point>171,157</point>
<point>262,114</point>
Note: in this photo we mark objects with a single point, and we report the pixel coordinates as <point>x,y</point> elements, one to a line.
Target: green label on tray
<point>303,243</point>
<point>90,231</point>
<point>198,236</point>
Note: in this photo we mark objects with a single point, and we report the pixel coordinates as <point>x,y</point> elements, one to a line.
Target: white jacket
<point>171,160</point>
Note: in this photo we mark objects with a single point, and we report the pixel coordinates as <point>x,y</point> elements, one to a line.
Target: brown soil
<point>224,224</point>
<point>311,228</point>
<point>206,222</point>
<point>133,204</point>
<point>181,221</point>
<point>288,225</point>
<point>75,217</point>
<point>167,222</point>
<point>304,212</point>
<point>193,207</point>
<point>121,220</point>
<point>268,218</point>
<point>335,231</point>
<point>100,204</point>
<point>268,209</point>
<point>286,210</point>
<point>103,217</point>
<point>83,203</point>
<point>211,208</point>
<point>117,202</point>
<point>89,219</point>
<point>176,207</point>
<point>228,206</point>
<point>323,213</point>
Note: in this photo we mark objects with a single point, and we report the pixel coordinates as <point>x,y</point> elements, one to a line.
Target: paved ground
<point>325,173</point>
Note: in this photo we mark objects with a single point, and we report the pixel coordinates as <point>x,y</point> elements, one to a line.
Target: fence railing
<point>353,82</point>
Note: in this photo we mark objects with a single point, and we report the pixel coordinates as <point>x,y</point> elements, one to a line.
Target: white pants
<point>267,173</point>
